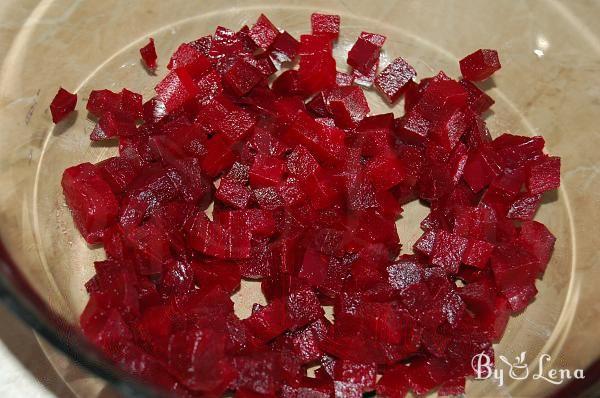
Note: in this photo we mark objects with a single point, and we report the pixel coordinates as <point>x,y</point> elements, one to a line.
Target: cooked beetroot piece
<point>232,173</point>
<point>363,55</point>
<point>348,105</point>
<point>326,25</point>
<point>480,65</point>
<point>477,100</point>
<point>263,33</point>
<point>148,53</point>
<point>284,48</point>
<point>63,103</point>
<point>176,89</point>
<point>393,79</point>
<point>544,175</point>
<point>242,77</point>
<point>90,199</point>
<point>374,38</point>
<point>365,80</point>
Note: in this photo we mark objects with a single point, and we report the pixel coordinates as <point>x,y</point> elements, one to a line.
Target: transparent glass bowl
<point>549,85</point>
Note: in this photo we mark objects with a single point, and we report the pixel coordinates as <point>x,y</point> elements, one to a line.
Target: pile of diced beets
<point>305,187</point>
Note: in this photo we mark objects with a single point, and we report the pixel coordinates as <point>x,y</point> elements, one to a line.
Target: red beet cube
<point>91,200</point>
<point>118,172</point>
<point>477,100</point>
<point>477,253</point>
<point>288,83</point>
<point>284,48</point>
<point>263,33</point>
<point>392,81</point>
<point>317,71</point>
<point>514,268</point>
<point>233,194</point>
<point>266,171</point>
<point>355,375</point>
<point>113,125</point>
<point>481,168</point>
<point>538,240</point>
<point>188,57</point>
<point>148,53</point>
<point>303,307</point>
<point>363,55</point>
<point>176,89</point>
<point>242,77</point>
<point>448,250</point>
<point>236,125</point>
<point>63,103</point>
<point>449,129</point>
<point>270,321</point>
<point>348,105</point>
<point>374,38</point>
<point>219,155</point>
<point>386,171</point>
<point>524,207</point>
<point>102,101</point>
<point>412,128</point>
<point>544,175</point>
<point>480,65</point>
<point>343,79</point>
<point>326,25</point>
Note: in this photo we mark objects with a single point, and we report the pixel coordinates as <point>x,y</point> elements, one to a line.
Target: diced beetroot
<point>118,172</point>
<point>412,128</point>
<point>480,65</point>
<point>477,100</point>
<point>355,375</point>
<point>242,77</point>
<point>233,194</point>
<point>392,81</point>
<point>190,58</point>
<point>480,169</point>
<point>477,253</point>
<point>270,321</point>
<point>374,38</point>
<point>266,171</point>
<point>175,89</point>
<point>63,103</point>
<point>231,172</point>
<point>363,55</point>
<point>263,33</point>
<point>448,250</point>
<point>386,172</point>
<point>348,105</point>
<point>425,243</point>
<point>148,53</point>
<point>113,125</point>
<point>224,275</point>
<point>317,71</point>
<point>524,207</point>
<point>237,125</point>
<point>326,25</point>
<point>288,83</point>
<point>219,156</point>
<point>90,199</point>
<point>365,79</point>
<point>514,268</point>
<point>538,240</point>
<point>284,48</point>
<point>544,175</point>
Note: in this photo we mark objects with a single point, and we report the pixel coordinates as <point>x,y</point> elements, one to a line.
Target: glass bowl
<point>549,85</point>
